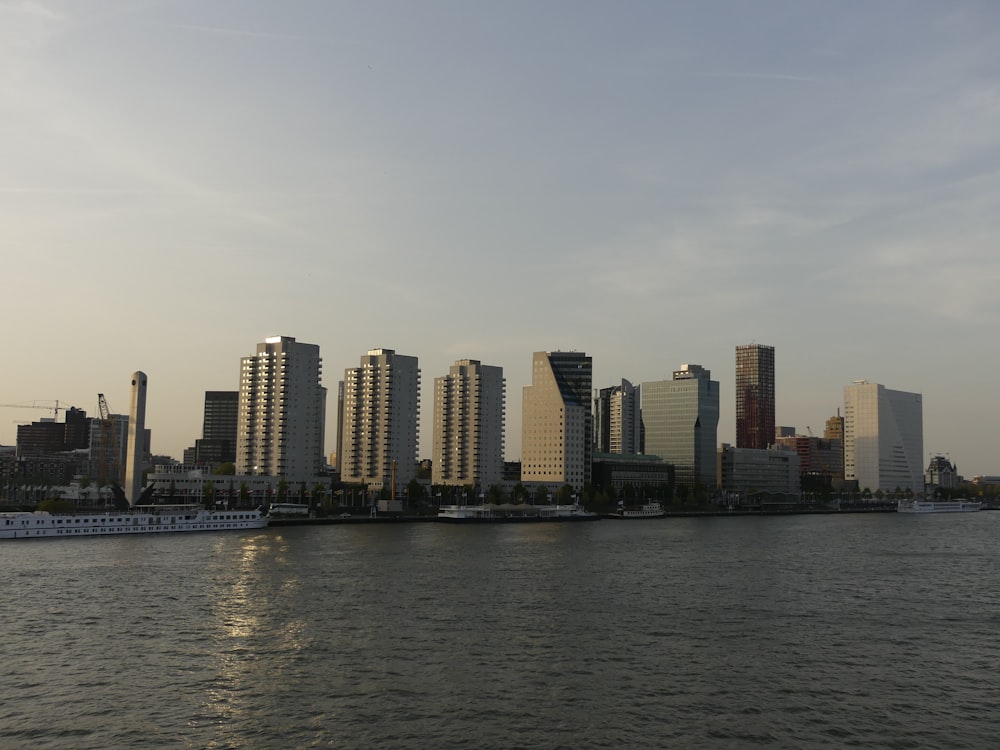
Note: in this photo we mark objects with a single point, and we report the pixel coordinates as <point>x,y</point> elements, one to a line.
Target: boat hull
<point>531,514</point>
<point>151,520</point>
<point>936,506</point>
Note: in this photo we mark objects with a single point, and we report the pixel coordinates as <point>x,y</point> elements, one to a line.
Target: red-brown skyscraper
<point>754,396</point>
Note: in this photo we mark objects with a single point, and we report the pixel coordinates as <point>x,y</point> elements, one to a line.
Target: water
<point>788,632</point>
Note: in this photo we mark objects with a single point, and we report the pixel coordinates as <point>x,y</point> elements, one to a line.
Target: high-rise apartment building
<point>754,396</point>
<point>681,418</point>
<point>469,425</point>
<point>380,416</point>
<point>883,437</point>
<point>281,411</point>
<point>617,419</point>
<point>556,424</point>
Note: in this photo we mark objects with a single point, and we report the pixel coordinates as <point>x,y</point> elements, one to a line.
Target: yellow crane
<point>37,405</point>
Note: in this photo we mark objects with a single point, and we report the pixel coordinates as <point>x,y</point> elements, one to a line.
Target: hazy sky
<point>652,183</point>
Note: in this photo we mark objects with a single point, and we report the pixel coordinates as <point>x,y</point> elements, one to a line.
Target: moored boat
<point>938,506</point>
<point>513,513</point>
<point>288,510</point>
<point>647,510</point>
<point>141,519</point>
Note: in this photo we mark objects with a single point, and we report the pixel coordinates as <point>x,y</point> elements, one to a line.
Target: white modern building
<point>883,437</point>
<point>469,425</point>
<point>380,412</point>
<point>282,411</point>
<point>556,424</point>
<point>681,418</point>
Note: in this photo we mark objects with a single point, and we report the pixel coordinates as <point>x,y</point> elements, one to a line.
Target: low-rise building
<point>749,471</point>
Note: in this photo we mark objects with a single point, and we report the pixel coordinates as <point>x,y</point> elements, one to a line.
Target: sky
<point>652,183</point>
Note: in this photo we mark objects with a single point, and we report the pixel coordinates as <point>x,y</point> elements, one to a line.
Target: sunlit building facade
<point>617,420</point>
<point>883,437</point>
<point>557,424</point>
<point>281,410</point>
<point>469,425</point>
<point>380,418</point>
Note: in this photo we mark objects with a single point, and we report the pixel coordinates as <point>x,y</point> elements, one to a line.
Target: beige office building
<point>469,425</point>
<point>557,425</point>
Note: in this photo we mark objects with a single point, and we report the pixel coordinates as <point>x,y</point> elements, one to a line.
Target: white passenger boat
<point>288,510</point>
<point>488,513</point>
<point>938,506</point>
<point>649,510</point>
<point>141,519</point>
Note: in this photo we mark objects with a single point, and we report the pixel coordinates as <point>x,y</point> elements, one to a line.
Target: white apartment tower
<point>469,425</point>
<point>617,419</point>
<point>883,437</point>
<point>556,423</point>
<point>282,410</point>
<point>380,417</point>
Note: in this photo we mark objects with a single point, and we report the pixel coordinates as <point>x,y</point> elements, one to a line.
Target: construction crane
<point>109,462</point>
<point>36,405</point>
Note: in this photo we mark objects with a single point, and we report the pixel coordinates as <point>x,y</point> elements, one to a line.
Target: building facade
<point>217,444</point>
<point>281,410</point>
<point>883,437</point>
<point>820,459</point>
<point>618,420</point>
<point>380,417</point>
<point>108,449</point>
<point>557,423</point>
<point>754,396</point>
<point>753,471</point>
<point>649,477</point>
<point>469,425</point>
<point>941,474</point>
<point>681,422</point>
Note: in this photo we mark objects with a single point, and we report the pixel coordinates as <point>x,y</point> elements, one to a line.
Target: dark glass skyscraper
<point>754,396</point>
<point>218,436</point>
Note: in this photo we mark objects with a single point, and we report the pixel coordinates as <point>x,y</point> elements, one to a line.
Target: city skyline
<point>652,187</point>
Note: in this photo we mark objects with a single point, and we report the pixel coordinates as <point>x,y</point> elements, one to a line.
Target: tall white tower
<point>136,437</point>
<point>469,425</point>
<point>281,413</point>
<point>883,437</point>
<point>380,416</point>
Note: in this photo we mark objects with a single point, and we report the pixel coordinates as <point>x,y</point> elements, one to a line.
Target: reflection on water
<point>786,632</point>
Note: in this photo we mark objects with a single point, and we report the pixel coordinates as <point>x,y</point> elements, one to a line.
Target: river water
<point>782,632</point>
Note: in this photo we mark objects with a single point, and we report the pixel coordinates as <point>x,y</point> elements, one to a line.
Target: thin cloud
<point>226,31</point>
<point>29,24</point>
<point>759,76</point>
